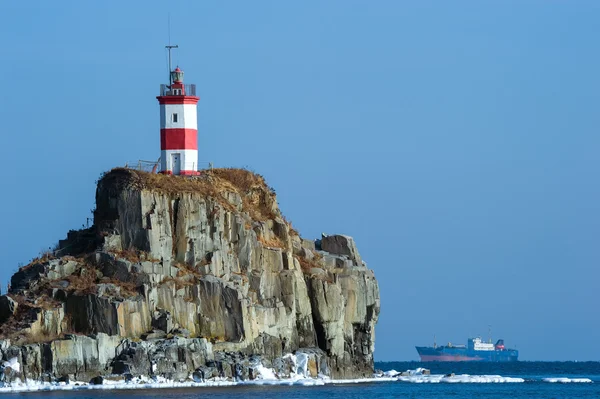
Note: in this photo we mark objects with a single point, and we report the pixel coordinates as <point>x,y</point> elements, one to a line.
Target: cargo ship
<point>475,350</point>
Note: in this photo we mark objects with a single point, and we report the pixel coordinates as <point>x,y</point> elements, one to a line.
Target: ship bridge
<point>478,345</point>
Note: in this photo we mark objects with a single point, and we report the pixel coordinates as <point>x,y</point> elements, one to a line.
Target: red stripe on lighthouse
<point>178,139</point>
<point>177,99</point>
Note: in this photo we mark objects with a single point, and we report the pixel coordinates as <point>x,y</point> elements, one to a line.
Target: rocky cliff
<point>189,278</point>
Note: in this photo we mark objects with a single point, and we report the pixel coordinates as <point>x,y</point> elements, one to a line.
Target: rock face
<point>206,273</point>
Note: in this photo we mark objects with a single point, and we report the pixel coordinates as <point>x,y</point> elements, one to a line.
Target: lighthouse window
<point>174,118</point>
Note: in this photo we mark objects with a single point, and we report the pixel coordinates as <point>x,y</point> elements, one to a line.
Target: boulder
<point>308,244</point>
<point>98,380</point>
<point>59,268</point>
<point>341,245</point>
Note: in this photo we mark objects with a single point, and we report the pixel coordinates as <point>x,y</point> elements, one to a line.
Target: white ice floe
<point>564,380</point>
<point>467,378</point>
<point>463,378</point>
<point>391,373</point>
<point>421,376</point>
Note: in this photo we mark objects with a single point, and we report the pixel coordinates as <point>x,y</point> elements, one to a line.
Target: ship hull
<point>452,354</point>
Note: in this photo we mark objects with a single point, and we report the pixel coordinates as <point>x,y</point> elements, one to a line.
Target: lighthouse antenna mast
<point>169,47</point>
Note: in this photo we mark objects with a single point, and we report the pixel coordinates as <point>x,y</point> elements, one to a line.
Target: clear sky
<point>457,141</point>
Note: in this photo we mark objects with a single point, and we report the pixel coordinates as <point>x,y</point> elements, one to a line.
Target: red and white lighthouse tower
<point>178,127</point>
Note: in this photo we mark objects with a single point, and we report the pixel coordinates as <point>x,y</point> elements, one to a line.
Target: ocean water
<point>536,376</point>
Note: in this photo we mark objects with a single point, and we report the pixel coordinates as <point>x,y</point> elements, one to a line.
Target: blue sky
<point>456,141</point>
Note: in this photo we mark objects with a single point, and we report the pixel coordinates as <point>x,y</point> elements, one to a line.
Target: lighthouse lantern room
<point>178,126</point>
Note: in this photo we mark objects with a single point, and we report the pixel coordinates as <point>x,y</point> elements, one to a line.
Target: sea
<point>466,380</point>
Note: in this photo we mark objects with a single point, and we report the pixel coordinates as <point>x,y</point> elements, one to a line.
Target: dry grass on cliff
<point>85,281</point>
<point>293,231</point>
<point>274,242</point>
<point>43,338</point>
<point>179,282</point>
<point>128,178</point>
<point>187,275</point>
<point>242,179</point>
<point>306,265</point>
<point>189,270</point>
<point>134,255</point>
<point>131,255</point>
<point>128,289</point>
<point>19,333</point>
<point>43,258</point>
<point>258,198</point>
<point>41,301</point>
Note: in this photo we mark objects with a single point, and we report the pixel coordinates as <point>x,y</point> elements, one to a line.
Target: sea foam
<point>564,380</point>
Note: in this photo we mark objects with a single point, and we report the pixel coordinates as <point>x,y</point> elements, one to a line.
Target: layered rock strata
<point>189,278</point>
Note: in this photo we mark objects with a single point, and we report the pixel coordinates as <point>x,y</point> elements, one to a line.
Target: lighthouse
<point>178,126</point>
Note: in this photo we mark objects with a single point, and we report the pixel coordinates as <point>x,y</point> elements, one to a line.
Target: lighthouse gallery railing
<point>190,90</point>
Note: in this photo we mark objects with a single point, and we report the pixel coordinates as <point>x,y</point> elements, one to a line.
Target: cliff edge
<point>189,278</point>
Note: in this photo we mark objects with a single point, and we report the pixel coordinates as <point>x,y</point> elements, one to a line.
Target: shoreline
<point>409,376</point>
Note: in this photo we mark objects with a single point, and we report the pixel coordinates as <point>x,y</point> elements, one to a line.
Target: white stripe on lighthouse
<point>187,117</point>
<point>188,160</point>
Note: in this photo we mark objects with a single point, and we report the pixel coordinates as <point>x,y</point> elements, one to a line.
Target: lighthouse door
<point>176,163</point>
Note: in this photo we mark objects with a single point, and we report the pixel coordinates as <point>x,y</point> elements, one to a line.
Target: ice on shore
<point>13,363</point>
<point>266,376</point>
